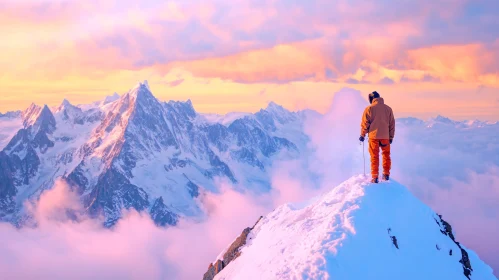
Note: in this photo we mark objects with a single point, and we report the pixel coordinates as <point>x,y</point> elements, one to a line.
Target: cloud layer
<point>257,39</point>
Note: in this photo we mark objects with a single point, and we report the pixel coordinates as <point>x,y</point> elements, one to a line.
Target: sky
<point>425,57</point>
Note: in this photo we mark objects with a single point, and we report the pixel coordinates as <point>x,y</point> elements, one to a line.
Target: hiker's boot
<point>374,180</point>
<point>386,177</point>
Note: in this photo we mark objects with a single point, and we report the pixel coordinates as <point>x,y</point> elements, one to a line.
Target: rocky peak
<point>162,215</point>
<point>183,108</point>
<point>38,119</point>
<point>140,88</point>
<point>141,95</point>
<point>277,112</point>
<point>272,106</point>
<point>111,98</point>
<point>45,121</point>
<point>65,102</point>
<point>30,114</point>
<point>68,110</point>
<point>146,84</point>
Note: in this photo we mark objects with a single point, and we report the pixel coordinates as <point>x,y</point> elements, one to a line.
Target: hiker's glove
<point>361,138</point>
<point>391,140</point>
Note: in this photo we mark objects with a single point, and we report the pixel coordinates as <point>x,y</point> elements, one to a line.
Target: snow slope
<point>349,233</point>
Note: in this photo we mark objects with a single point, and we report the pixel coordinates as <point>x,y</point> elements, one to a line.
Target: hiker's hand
<point>361,138</point>
<point>391,140</point>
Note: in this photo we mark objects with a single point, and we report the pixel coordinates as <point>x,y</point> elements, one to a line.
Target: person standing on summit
<point>379,122</point>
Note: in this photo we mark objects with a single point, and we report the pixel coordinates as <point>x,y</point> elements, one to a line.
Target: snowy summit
<point>356,231</point>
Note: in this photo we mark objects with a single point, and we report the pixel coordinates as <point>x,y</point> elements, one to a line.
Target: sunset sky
<point>425,57</point>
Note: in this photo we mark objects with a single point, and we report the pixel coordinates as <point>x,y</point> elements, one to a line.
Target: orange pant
<point>374,145</point>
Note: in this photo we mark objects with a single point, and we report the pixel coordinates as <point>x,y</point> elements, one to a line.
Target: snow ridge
<point>357,230</point>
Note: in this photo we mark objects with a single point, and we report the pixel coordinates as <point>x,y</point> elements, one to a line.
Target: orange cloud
<point>371,60</point>
<point>281,63</point>
<point>466,63</point>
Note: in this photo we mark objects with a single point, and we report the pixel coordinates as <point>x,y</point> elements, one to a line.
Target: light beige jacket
<point>378,121</point>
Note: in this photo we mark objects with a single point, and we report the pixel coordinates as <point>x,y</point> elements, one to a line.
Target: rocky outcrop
<point>446,229</point>
<point>393,238</point>
<point>162,215</point>
<point>230,255</point>
<point>113,193</point>
<point>213,270</point>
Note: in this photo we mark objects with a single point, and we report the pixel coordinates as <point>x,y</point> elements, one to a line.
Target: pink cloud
<point>244,43</point>
<point>134,249</point>
<point>175,82</point>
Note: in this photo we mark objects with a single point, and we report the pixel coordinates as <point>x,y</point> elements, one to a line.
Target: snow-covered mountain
<point>357,230</point>
<point>440,122</point>
<point>134,151</point>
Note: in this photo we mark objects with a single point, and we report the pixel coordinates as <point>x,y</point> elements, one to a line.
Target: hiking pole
<point>364,156</point>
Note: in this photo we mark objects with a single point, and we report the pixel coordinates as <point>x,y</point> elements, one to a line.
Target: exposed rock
<point>393,238</point>
<point>77,180</point>
<point>231,254</point>
<point>162,215</point>
<point>465,260</point>
<point>233,251</point>
<point>192,188</point>
<point>113,193</point>
<point>213,270</point>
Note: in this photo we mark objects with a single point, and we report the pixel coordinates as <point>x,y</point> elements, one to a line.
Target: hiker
<point>378,121</point>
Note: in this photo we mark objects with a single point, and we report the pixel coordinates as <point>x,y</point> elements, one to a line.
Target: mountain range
<point>134,151</point>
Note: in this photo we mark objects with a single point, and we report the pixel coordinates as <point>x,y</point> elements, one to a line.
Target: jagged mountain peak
<point>66,105</point>
<point>45,121</point>
<point>272,106</point>
<point>144,84</point>
<point>357,230</point>
<point>275,112</point>
<point>128,102</point>
<point>65,102</point>
<point>38,118</point>
<point>69,112</point>
<point>110,98</point>
<point>140,93</point>
<point>184,108</point>
<point>29,114</point>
